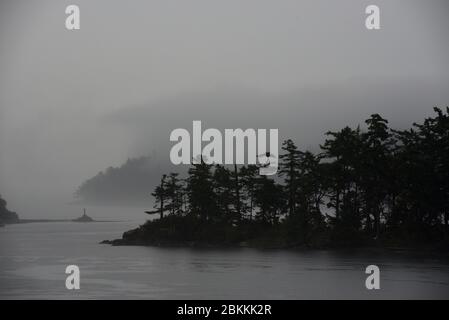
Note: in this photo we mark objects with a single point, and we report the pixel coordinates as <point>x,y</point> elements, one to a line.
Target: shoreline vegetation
<point>376,187</point>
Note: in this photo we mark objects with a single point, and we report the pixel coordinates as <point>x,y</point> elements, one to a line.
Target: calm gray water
<point>33,258</point>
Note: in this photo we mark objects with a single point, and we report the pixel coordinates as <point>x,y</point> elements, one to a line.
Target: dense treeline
<point>377,185</point>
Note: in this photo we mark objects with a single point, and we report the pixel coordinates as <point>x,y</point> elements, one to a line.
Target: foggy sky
<point>73,103</point>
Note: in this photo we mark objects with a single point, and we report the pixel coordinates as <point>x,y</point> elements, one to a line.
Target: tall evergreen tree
<point>290,169</point>
<point>237,194</point>
<point>342,152</point>
<point>269,199</point>
<point>249,175</point>
<point>200,191</point>
<point>160,194</point>
<point>223,189</point>
<point>175,194</point>
<point>376,164</point>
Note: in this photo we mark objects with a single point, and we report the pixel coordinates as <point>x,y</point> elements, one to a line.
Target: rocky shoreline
<point>157,234</point>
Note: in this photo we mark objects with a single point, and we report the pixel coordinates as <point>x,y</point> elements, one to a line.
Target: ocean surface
<point>34,256</point>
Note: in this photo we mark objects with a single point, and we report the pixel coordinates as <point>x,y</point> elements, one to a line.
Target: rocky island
<point>6,216</point>
<point>84,218</point>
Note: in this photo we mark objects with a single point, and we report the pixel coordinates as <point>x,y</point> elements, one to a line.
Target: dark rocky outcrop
<point>6,216</point>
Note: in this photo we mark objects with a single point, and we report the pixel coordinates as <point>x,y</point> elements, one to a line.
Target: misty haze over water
<point>95,107</point>
<point>74,103</point>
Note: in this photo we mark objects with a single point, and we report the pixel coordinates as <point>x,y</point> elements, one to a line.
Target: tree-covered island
<point>377,186</point>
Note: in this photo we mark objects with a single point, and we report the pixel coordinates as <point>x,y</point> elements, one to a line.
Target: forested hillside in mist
<point>129,184</point>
